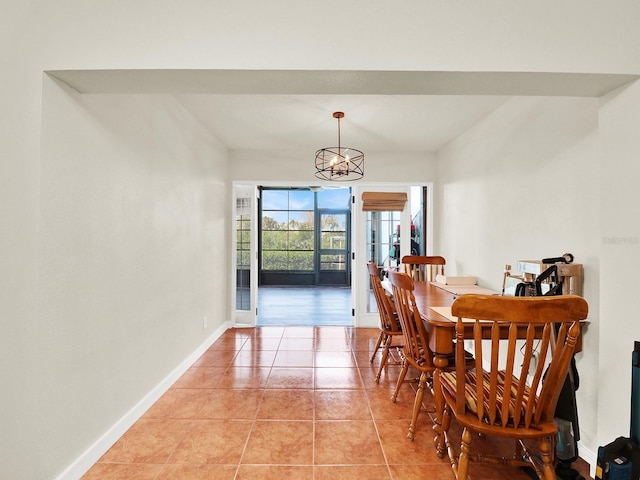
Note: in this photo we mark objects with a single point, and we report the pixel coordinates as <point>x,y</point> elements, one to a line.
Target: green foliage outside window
<point>288,239</point>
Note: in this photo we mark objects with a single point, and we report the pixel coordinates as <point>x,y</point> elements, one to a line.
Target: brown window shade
<point>383,201</point>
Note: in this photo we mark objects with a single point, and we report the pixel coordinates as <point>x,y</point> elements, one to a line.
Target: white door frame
<point>359,276</point>
<point>245,318</point>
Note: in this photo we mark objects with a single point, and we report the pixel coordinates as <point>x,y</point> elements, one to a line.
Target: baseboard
<point>588,456</point>
<point>83,463</point>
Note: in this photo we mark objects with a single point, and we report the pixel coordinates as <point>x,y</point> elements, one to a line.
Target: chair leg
<point>417,404</point>
<point>547,460</point>
<point>383,360</point>
<point>378,343</point>
<point>465,450</point>
<point>453,458</point>
<point>403,373</point>
<point>444,433</point>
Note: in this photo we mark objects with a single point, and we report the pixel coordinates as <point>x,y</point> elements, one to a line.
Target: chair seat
<point>449,382</point>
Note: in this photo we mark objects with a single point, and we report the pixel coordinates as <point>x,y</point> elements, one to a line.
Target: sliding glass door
<point>334,239</point>
<point>304,237</point>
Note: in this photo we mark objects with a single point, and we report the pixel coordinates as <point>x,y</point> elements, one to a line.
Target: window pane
<point>300,200</point>
<point>333,240</point>
<point>332,262</point>
<point>275,240</point>
<point>274,260</point>
<point>337,198</point>
<point>275,200</point>
<point>243,254</point>
<point>242,223</point>
<point>301,240</point>
<point>275,220</point>
<point>243,258</point>
<point>333,222</point>
<point>243,236</point>
<point>383,245</point>
<point>300,260</point>
<point>301,220</point>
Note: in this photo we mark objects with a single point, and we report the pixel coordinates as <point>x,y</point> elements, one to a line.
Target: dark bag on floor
<point>619,460</point>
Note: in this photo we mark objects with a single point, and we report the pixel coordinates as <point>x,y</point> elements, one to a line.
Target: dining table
<point>434,300</point>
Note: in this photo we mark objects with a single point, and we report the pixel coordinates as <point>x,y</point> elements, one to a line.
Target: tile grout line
<point>313,428</point>
<point>255,417</point>
<point>373,419</point>
<point>195,416</point>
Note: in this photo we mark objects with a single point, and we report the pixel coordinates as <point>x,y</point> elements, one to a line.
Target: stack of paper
<point>456,280</point>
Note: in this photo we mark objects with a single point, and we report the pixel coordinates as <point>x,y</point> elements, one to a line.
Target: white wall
<point>132,235</point>
<point>524,184</point>
<point>496,36</point>
<point>493,36</point>
<point>619,235</point>
<point>19,185</point>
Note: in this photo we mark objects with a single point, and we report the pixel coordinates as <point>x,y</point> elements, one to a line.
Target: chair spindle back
<point>517,391</point>
<point>423,268</point>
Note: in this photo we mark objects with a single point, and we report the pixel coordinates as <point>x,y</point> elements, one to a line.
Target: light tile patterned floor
<point>283,403</point>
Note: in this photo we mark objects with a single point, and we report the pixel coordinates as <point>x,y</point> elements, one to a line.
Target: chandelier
<point>340,164</point>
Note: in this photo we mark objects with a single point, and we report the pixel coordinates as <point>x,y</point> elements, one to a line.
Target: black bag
<point>619,460</point>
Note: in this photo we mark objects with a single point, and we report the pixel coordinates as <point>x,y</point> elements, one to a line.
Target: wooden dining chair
<point>390,331</point>
<point>416,352</point>
<point>423,268</point>
<point>516,396</point>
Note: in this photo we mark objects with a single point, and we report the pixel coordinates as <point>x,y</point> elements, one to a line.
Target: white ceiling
<point>371,122</point>
<point>384,111</point>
